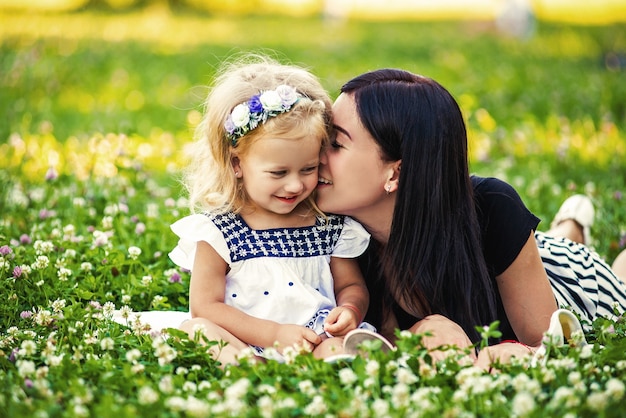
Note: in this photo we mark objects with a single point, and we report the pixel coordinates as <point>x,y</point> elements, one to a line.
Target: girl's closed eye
<point>309,170</point>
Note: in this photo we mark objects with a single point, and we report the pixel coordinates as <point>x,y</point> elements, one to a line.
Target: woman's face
<point>352,174</point>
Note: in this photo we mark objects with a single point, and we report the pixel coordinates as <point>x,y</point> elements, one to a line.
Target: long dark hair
<point>433,262</point>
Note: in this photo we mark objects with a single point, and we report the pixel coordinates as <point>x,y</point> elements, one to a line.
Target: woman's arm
<point>527,295</point>
<point>206,300</point>
<point>351,295</point>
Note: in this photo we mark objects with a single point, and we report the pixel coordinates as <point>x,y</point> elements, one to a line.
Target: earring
<point>388,188</point>
<point>236,173</point>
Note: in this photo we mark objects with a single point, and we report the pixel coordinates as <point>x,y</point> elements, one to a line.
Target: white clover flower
<point>26,269</point>
<point>107,344</point>
<point>108,309</point>
<point>306,387</point>
<point>54,360</point>
<point>165,353</point>
<point>400,395</point>
<point>615,388</point>
<point>41,262</point>
<point>133,355</point>
<point>147,395</point>
<point>238,389</point>
<point>146,280</point>
<point>157,300</point>
<point>347,376</point>
<point>80,410</point>
<point>100,239</point>
<point>316,407</point>
<point>69,253</point>
<point>58,305</point>
<point>63,274</point>
<point>137,368</point>
<point>406,376</point>
<point>197,407</point>
<point>79,202</point>
<point>111,210</point>
<point>523,404</point>
<point>86,266</point>
<point>597,401</point>
<point>43,317</point>
<point>380,407</point>
<point>372,368</point>
<point>190,387</point>
<point>586,351</point>
<point>181,370</point>
<point>266,406</point>
<point>240,115</point>
<point>175,403</point>
<point>134,252</point>
<point>28,348</point>
<point>25,368</point>
<point>290,354</point>
<point>43,247</point>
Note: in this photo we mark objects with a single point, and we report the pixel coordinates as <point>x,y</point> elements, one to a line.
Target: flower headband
<point>267,104</point>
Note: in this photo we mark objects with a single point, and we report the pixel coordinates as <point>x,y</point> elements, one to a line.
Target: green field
<point>97,107</point>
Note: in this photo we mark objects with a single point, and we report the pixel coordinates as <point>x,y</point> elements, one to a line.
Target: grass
<point>97,109</point>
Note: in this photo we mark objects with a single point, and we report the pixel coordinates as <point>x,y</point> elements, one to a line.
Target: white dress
<point>280,274</point>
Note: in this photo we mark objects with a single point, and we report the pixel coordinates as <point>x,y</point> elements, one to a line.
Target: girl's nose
<point>294,185</point>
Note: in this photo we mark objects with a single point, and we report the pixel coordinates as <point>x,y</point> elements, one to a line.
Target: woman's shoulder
<point>486,185</point>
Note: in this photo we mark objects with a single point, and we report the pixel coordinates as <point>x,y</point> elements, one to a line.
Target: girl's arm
<point>527,295</point>
<point>206,300</point>
<point>351,295</point>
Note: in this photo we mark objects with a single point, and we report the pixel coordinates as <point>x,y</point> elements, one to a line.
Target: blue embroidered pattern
<point>245,242</point>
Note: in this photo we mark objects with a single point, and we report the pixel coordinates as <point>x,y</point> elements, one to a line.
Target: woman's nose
<point>323,157</point>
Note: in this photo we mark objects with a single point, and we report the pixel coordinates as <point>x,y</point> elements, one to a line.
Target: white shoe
<point>578,208</point>
<point>564,329</point>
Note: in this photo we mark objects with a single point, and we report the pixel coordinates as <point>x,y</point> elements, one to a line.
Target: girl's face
<point>279,173</point>
<point>352,174</point>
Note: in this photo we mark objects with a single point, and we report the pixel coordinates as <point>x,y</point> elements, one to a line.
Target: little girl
<point>268,269</point>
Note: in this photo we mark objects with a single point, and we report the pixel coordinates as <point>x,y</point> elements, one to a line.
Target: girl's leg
<point>569,229</point>
<point>574,219</point>
<point>226,354</point>
<point>619,266</point>
<point>329,347</point>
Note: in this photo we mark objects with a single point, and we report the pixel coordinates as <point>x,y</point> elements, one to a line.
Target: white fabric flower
<point>240,115</point>
<point>271,100</point>
<point>287,94</point>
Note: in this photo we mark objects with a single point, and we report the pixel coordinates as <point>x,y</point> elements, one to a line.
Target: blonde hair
<point>209,179</point>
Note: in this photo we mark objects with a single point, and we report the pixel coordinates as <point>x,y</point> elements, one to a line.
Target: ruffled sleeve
<point>190,230</point>
<point>353,241</point>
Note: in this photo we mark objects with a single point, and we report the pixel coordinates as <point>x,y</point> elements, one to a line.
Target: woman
<point>449,251</point>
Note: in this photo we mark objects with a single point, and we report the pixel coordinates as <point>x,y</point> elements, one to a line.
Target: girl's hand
<point>295,336</point>
<point>340,321</point>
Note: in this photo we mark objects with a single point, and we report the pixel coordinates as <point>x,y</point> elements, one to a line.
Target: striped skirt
<point>581,280</point>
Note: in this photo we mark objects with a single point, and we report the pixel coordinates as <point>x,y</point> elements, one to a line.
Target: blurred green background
<point>542,89</point>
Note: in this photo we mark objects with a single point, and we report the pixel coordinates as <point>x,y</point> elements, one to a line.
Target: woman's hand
<point>443,332</point>
<point>288,335</point>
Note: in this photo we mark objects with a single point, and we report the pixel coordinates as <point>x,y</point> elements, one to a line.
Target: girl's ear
<point>394,176</point>
<point>234,161</point>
